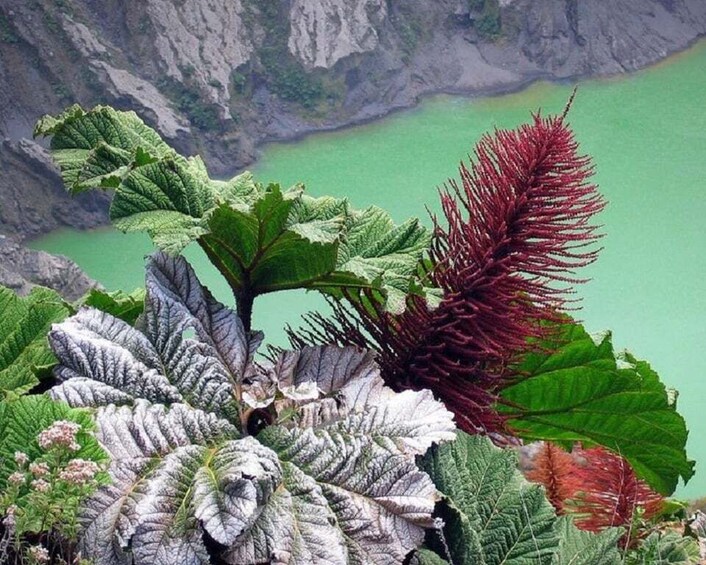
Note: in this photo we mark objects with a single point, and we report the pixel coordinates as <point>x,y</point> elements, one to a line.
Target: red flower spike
<point>608,493</point>
<point>517,226</point>
<point>553,468</point>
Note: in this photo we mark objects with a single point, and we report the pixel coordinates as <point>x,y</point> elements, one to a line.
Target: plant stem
<point>244,302</point>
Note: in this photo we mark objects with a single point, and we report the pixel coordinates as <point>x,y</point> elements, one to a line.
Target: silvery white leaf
<point>331,368</point>
<point>198,374</point>
<point>355,401</point>
<point>97,346</point>
<point>108,517</point>
<point>330,479</point>
<point>166,531</point>
<point>237,481</point>
<point>145,430</point>
<point>295,526</point>
<point>99,325</point>
<point>82,392</point>
<point>340,375</point>
<point>381,501</point>
<point>410,421</point>
<point>173,286</point>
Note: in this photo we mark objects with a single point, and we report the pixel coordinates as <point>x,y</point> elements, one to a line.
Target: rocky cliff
<point>217,77</point>
<point>22,268</point>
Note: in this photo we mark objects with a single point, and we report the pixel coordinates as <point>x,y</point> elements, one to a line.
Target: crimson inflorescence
<point>517,224</point>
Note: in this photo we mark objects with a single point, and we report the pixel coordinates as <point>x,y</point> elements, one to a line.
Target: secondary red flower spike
<point>608,493</point>
<point>553,468</point>
<point>517,225</point>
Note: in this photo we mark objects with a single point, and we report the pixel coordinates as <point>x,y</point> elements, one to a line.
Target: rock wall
<point>218,77</point>
<point>22,268</point>
<point>323,33</point>
<point>576,38</point>
<point>204,39</point>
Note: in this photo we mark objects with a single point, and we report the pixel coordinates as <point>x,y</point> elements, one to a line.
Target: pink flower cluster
<point>39,554</point>
<point>40,485</point>
<point>21,458</point>
<point>39,469</point>
<point>9,520</point>
<point>61,433</point>
<point>79,472</point>
<point>16,479</point>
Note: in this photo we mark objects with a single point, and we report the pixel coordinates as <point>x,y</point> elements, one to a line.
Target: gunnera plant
<point>306,459</point>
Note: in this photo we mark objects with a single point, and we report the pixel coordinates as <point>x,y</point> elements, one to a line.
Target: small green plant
<point>188,100</point>
<point>43,493</point>
<point>51,23</point>
<point>49,460</point>
<point>487,21</point>
<point>7,32</point>
<point>238,80</point>
<point>61,91</point>
<point>280,70</point>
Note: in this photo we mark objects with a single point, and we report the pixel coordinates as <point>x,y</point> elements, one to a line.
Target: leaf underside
<point>333,480</point>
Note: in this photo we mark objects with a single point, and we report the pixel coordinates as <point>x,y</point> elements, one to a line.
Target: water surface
<point>647,135</point>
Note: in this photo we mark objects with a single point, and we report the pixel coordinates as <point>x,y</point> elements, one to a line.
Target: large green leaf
<point>156,189</point>
<point>282,240</point>
<point>491,514</point>
<point>124,305</point>
<point>96,148</point>
<point>427,557</point>
<point>24,324</point>
<point>665,548</point>
<point>165,199</point>
<point>577,547</point>
<point>374,249</point>
<point>262,239</point>
<point>583,393</point>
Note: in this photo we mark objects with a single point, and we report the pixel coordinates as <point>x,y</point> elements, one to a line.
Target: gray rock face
<point>22,268</point>
<point>122,84</point>
<point>323,33</point>
<point>573,38</point>
<point>206,39</point>
<point>218,77</point>
<point>32,197</point>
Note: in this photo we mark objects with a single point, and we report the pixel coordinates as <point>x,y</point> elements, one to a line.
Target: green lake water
<point>647,135</point>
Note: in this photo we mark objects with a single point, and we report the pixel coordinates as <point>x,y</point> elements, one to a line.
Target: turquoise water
<point>647,135</point>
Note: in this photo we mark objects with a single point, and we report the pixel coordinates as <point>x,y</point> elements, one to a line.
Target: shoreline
<point>481,92</point>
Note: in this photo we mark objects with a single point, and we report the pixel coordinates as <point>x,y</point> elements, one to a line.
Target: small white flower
<point>40,469</point>
<point>79,472</point>
<point>9,520</point>
<point>40,485</point>
<point>39,554</point>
